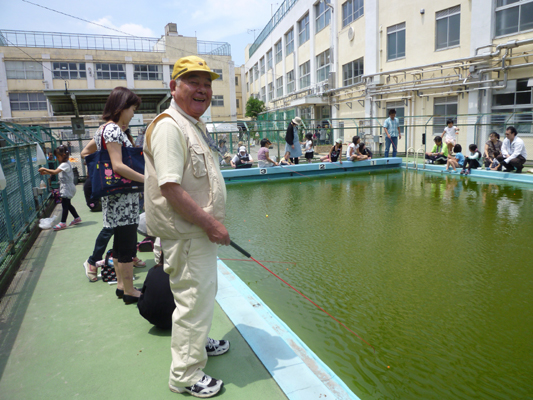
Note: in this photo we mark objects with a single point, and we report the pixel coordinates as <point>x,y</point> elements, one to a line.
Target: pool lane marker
<point>248,255</point>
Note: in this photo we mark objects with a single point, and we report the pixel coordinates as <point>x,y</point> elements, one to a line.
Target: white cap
<point>242,148</point>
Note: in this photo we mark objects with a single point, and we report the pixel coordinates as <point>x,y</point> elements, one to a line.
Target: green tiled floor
<point>62,337</point>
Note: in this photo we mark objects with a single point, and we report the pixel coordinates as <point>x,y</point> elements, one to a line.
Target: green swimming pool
<point>434,271</point>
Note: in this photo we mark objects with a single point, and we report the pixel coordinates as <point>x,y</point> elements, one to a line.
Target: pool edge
<point>297,370</point>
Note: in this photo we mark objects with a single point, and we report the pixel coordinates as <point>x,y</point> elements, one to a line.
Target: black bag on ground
<point>108,271</point>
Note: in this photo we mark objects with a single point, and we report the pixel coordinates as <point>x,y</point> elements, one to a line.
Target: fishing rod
<point>248,255</point>
<point>240,259</point>
<point>297,173</point>
<point>395,148</point>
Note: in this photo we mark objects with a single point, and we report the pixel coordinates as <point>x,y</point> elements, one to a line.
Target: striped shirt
<point>392,126</point>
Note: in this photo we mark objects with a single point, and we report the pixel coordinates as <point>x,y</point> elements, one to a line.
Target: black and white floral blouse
<point>118,209</point>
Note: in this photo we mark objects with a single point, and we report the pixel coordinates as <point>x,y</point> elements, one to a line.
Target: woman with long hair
<point>120,211</point>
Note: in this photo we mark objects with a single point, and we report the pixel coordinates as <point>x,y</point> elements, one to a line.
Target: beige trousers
<point>192,267</point>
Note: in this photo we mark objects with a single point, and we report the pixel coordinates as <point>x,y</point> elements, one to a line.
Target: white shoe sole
<point>180,390</point>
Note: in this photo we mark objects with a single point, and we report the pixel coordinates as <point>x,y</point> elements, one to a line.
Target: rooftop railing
<point>285,7</point>
<point>214,48</point>
<point>79,41</point>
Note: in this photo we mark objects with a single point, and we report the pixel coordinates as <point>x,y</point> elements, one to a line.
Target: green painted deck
<point>62,337</point>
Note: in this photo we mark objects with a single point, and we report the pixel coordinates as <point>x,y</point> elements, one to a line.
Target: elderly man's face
<point>193,93</point>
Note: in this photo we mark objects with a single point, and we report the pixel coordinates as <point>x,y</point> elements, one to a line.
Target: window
<point>236,81</point>
<point>323,15</point>
<point>262,65</point>
<point>279,86</point>
<point>256,71</point>
<point>513,16</point>
<point>305,113</point>
<point>448,28</point>
<point>396,41</point>
<point>279,52</point>
<point>147,72</point>
<point>218,71</point>
<point>322,66</point>
<point>270,91</point>
<point>247,87</point>
<point>110,71</point>
<point>238,105</point>
<point>305,75</point>
<point>520,97</point>
<point>352,72</point>
<point>444,108</point>
<point>69,70</point>
<point>290,82</point>
<point>263,95</point>
<point>24,70</point>
<point>27,101</point>
<point>251,75</point>
<point>351,10</point>
<point>289,40</point>
<point>217,101</point>
<point>399,106</point>
<point>269,60</point>
<point>303,30</point>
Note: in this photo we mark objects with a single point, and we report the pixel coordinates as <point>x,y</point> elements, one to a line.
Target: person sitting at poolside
<point>439,153</point>
<point>365,150</point>
<point>472,161</point>
<point>353,153</point>
<point>457,160</point>
<point>495,165</point>
<point>493,144</point>
<point>335,153</point>
<point>263,156</point>
<point>242,159</point>
<point>285,160</point>
<point>513,151</point>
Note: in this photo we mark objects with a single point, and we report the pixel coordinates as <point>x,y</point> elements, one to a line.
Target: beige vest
<point>201,179</point>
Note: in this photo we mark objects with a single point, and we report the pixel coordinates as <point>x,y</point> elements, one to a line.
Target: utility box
<point>78,126</point>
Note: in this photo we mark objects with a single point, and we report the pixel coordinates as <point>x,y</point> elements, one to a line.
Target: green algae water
<point>433,271</point>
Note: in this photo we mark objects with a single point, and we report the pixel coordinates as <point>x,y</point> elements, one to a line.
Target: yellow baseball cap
<point>190,64</point>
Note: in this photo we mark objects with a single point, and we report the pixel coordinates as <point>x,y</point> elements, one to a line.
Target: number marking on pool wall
<point>262,171</point>
<point>372,162</point>
<point>322,166</point>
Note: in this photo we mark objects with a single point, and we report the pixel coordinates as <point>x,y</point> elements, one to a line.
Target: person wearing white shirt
<point>513,152</point>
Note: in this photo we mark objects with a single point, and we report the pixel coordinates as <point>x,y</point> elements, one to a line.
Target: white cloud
<point>132,29</point>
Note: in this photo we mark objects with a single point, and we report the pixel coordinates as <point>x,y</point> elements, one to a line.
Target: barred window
<point>24,70</point>
<point>303,30</point>
<point>279,86</point>
<point>448,28</point>
<point>269,60</point>
<point>63,70</point>
<point>352,72</point>
<point>110,71</point>
<point>351,10</point>
<point>262,65</point>
<point>396,41</point>
<point>217,101</point>
<point>513,16</point>
<point>263,95</point>
<point>27,101</point>
<point>289,40</point>
<point>322,66</point>
<point>148,72</point>
<point>323,15</point>
<point>305,75</point>
<point>270,91</point>
<point>279,51</point>
<point>290,82</point>
<point>218,71</point>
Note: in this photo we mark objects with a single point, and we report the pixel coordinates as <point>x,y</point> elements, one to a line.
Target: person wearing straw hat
<point>185,207</point>
<point>292,140</point>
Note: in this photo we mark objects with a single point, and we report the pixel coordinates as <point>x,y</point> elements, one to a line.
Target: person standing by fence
<point>392,132</point>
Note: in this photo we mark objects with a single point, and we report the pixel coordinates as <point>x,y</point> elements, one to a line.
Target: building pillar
<point>232,96</point>
<point>166,73</point>
<point>91,72</point>
<point>130,81</point>
<point>4,98</point>
<point>48,79</point>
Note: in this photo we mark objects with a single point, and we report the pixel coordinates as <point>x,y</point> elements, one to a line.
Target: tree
<point>254,107</point>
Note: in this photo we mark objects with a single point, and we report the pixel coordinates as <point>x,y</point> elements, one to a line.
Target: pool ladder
<point>415,156</point>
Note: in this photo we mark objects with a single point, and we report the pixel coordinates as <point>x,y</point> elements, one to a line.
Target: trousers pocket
<point>198,161</point>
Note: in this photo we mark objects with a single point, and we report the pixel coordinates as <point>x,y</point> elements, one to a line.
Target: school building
<point>352,60</point>
<point>46,78</point>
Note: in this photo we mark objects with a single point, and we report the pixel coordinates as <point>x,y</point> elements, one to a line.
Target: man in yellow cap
<point>185,207</point>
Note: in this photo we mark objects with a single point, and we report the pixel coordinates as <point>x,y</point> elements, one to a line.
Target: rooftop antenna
<point>253,31</point>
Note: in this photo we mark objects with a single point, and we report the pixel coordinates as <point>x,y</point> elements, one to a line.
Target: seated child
<point>457,160</point>
<point>472,161</point>
<point>365,150</point>
<point>495,166</point>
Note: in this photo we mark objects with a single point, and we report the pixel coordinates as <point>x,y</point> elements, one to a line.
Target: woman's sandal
<point>89,273</point>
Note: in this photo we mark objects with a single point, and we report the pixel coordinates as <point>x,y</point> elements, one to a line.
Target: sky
<point>212,20</point>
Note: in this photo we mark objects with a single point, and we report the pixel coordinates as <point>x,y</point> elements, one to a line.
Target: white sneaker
<point>216,347</point>
<point>204,388</point>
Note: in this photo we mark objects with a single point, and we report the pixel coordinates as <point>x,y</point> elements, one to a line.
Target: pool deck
<point>63,337</point>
